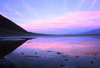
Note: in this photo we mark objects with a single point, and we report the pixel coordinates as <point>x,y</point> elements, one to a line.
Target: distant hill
<point>7,27</point>
<point>95,31</point>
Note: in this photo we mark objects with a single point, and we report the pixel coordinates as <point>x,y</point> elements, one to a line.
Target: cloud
<point>8,7</point>
<point>45,3</point>
<point>19,14</point>
<point>82,1</point>
<point>71,20</point>
<point>38,1</point>
<point>30,9</point>
<point>65,4</point>
<point>94,1</point>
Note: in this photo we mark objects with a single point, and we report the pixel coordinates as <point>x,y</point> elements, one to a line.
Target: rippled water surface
<point>58,52</point>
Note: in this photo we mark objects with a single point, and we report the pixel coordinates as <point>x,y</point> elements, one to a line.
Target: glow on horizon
<point>52,15</point>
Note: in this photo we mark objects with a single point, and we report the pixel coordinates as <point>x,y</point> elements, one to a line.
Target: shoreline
<point>34,36</point>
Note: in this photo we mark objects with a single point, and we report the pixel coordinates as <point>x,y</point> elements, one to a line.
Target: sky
<point>53,16</point>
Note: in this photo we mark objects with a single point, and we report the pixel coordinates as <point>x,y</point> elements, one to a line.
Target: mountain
<point>95,31</point>
<point>7,27</point>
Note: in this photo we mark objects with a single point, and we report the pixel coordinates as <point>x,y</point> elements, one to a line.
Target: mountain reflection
<point>6,47</point>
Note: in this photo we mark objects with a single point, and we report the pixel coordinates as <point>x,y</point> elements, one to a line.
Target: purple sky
<point>53,16</point>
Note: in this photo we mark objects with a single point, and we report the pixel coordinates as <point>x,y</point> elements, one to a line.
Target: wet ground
<point>55,52</point>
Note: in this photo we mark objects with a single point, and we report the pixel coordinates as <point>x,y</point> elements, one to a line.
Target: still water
<point>55,52</point>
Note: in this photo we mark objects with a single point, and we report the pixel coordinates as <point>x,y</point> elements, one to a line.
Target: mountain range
<point>95,31</point>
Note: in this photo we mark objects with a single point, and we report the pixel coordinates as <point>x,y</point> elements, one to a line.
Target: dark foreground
<point>50,52</point>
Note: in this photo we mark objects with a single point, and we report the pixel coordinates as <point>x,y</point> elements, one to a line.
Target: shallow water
<point>55,52</point>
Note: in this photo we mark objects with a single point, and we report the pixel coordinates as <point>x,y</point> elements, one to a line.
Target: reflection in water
<point>7,47</point>
<point>61,52</point>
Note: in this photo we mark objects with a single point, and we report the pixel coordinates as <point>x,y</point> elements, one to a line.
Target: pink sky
<point>51,15</point>
<point>77,19</point>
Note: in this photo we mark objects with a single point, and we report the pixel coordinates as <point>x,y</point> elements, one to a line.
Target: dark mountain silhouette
<point>95,31</point>
<point>7,27</point>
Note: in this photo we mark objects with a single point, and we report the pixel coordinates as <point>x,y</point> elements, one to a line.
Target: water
<point>52,52</point>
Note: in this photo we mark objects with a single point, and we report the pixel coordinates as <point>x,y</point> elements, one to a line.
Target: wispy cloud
<point>45,3</point>
<point>82,1</point>
<point>38,1</point>
<point>19,14</point>
<point>65,4</point>
<point>8,7</point>
<point>31,10</point>
<point>71,20</point>
<point>94,1</point>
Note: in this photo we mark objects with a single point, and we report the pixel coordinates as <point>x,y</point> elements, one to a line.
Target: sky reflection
<point>73,47</point>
